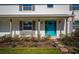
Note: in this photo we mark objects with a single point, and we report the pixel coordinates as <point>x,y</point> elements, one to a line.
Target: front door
<point>50,28</point>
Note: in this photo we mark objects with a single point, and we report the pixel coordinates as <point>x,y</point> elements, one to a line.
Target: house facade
<point>38,19</point>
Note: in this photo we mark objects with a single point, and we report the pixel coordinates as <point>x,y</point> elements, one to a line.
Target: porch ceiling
<point>36,15</point>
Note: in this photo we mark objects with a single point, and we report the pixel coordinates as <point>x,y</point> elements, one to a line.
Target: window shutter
<point>71,7</point>
<point>33,25</point>
<point>33,7</point>
<point>20,7</point>
<point>20,25</point>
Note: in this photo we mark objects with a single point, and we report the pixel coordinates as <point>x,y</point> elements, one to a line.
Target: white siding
<point>39,9</point>
<point>4,27</point>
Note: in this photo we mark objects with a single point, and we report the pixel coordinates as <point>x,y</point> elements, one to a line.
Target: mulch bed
<point>47,44</point>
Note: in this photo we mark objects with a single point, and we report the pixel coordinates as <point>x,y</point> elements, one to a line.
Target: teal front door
<point>50,28</point>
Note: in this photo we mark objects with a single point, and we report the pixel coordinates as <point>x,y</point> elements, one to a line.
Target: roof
<point>37,15</point>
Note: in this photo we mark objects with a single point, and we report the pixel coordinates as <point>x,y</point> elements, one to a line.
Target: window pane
<point>50,5</point>
<point>76,23</point>
<point>27,25</point>
<point>76,27</point>
<point>27,8</point>
<point>74,7</point>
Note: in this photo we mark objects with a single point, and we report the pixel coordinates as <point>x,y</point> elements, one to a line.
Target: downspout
<point>72,15</point>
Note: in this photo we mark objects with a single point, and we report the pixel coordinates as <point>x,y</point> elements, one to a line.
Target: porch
<point>34,25</point>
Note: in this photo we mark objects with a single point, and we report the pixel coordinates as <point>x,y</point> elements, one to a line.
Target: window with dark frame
<point>49,5</point>
<point>26,7</point>
<point>74,7</point>
<point>27,25</point>
<point>76,24</point>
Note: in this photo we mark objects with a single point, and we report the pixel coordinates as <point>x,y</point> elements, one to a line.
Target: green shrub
<point>34,39</point>
<point>16,39</point>
<point>68,41</point>
<point>76,33</point>
<point>13,44</point>
<point>48,37</point>
<point>72,40</point>
<point>45,39</point>
<point>26,39</point>
<point>6,38</point>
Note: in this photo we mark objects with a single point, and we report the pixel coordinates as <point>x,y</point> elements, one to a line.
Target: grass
<point>32,50</point>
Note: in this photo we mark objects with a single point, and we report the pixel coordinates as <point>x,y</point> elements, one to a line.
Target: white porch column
<point>38,32</point>
<point>11,27</point>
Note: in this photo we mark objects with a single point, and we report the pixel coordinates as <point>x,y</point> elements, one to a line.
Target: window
<point>74,7</point>
<point>49,5</point>
<point>27,25</point>
<point>76,25</point>
<point>25,7</point>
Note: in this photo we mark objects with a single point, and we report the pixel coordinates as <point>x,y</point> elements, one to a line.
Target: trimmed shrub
<point>26,39</point>
<point>76,33</point>
<point>68,41</point>
<point>6,39</point>
<point>34,39</point>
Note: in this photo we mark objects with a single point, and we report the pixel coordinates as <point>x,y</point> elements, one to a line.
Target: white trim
<point>37,15</point>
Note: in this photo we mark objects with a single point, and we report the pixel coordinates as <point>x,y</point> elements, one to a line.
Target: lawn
<point>32,50</point>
